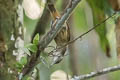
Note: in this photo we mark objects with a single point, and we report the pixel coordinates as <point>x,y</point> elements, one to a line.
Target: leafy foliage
<point>36,39</point>
<point>31,47</point>
<point>21,63</point>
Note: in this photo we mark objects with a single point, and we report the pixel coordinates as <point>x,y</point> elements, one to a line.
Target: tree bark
<point>11,35</point>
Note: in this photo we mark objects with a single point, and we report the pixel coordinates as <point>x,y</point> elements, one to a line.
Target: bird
<point>62,37</point>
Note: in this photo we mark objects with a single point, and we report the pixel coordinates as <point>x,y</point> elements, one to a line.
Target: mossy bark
<point>11,27</point>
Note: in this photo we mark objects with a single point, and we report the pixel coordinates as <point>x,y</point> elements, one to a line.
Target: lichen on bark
<point>11,27</point>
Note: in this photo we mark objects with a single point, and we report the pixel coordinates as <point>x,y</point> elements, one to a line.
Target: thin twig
<point>98,73</point>
<point>72,41</point>
<point>97,25</point>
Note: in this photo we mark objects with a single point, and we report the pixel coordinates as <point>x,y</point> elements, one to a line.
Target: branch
<point>97,25</point>
<point>49,37</point>
<point>58,25</point>
<point>98,73</point>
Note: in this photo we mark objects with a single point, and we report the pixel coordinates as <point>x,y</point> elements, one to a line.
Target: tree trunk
<point>11,37</point>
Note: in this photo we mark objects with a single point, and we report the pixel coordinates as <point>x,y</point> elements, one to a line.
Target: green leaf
<point>32,47</point>
<point>23,60</point>
<point>26,51</point>
<point>36,39</point>
<point>19,65</point>
<point>26,78</point>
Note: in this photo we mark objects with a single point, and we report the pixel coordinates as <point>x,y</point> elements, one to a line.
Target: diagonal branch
<point>58,25</point>
<point>49,37</point>
<point>98,73</point>
<point>97,25</point>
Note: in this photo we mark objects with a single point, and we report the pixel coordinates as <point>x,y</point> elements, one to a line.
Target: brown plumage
<point>63,36</point>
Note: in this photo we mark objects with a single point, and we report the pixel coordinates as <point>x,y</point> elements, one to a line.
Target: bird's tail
<point>53,11</point>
